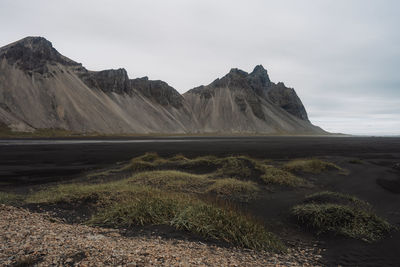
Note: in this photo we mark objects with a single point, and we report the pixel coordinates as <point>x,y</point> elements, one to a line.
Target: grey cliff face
<point>287,99</point>
<point>158,91</point>
<point>117,81</point>
<point>108,81</point>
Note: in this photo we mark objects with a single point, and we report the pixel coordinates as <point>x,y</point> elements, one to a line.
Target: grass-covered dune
<point>340,214</point>
<point>314,166</point>
<point>239,167</point>
<point>197,195</point>
<point>125,204</point>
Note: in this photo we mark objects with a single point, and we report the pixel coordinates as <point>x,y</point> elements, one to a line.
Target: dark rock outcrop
<point>287,99</point>
<point>108,81</point>
<point>158,91</point>
<point>203,91</point>
<point>259,80</point>
<point>117,81</point>
<point>32,54</point>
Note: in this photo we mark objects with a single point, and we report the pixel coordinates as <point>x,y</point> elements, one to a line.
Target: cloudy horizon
<point>341,57</point>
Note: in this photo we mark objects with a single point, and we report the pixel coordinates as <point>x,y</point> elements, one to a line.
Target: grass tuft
<point>126,203</point>
<point>330,212</point>
<point>337,198</point>
<point>342,220</point>
<point>226,225</point>
<point>173,181</point>
<point>10,198</point>
<point>100,194</point>
<point>240,167</point>
<point>273,175</point>
<point>314,166</point>
<point>230,188</point>
<point>193,215</point>
<point>149,157</point>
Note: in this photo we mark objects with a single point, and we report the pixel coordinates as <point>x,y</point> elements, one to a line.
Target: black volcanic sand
<point>25,166</point>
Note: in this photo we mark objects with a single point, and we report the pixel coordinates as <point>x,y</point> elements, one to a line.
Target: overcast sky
<point>341,56</point>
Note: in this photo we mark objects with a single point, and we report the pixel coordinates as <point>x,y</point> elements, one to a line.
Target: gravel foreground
<point>38,239</point>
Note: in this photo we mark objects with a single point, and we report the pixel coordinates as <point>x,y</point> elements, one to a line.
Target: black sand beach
<point>41,160</point>
<point>30,163</point>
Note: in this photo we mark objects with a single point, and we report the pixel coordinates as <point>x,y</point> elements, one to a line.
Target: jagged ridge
<point>68,96</point>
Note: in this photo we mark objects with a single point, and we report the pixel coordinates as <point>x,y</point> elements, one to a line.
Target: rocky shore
<point>39,239</point>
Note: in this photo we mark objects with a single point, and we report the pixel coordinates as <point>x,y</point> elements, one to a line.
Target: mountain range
<point>42,89</point>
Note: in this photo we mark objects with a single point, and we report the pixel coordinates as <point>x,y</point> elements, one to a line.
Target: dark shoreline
<point>21,163</point>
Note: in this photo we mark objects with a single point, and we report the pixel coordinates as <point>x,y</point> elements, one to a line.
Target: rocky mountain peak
<point>257,83</point>
<point>259,79</point>
<point>260,73</point>
<point>259,68</point>
<point>234,78</point>
<point>33,54</point>
<point>35,43</point>
<point>235,72</point>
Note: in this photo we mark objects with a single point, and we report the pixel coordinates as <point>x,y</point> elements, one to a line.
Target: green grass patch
<point>173,181</point>
<point>234,189</point>
<point>151,161</point>
<point>314,166</point>
<point>342,220</point>
<point>100,194</point>
<point>340,214</point>
<point>193,215</point>
<point>177,181</point>
<point>238,167</point>
<point>128,203</point>
<point>10,198</point>
<point>337,198</point>
<point>273,175</point>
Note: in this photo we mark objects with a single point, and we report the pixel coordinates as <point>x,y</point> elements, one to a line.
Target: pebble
<point>36,237</point>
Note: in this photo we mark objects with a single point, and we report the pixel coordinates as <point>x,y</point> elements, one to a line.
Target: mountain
<point>249,102</point>
<point>42,89</point>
